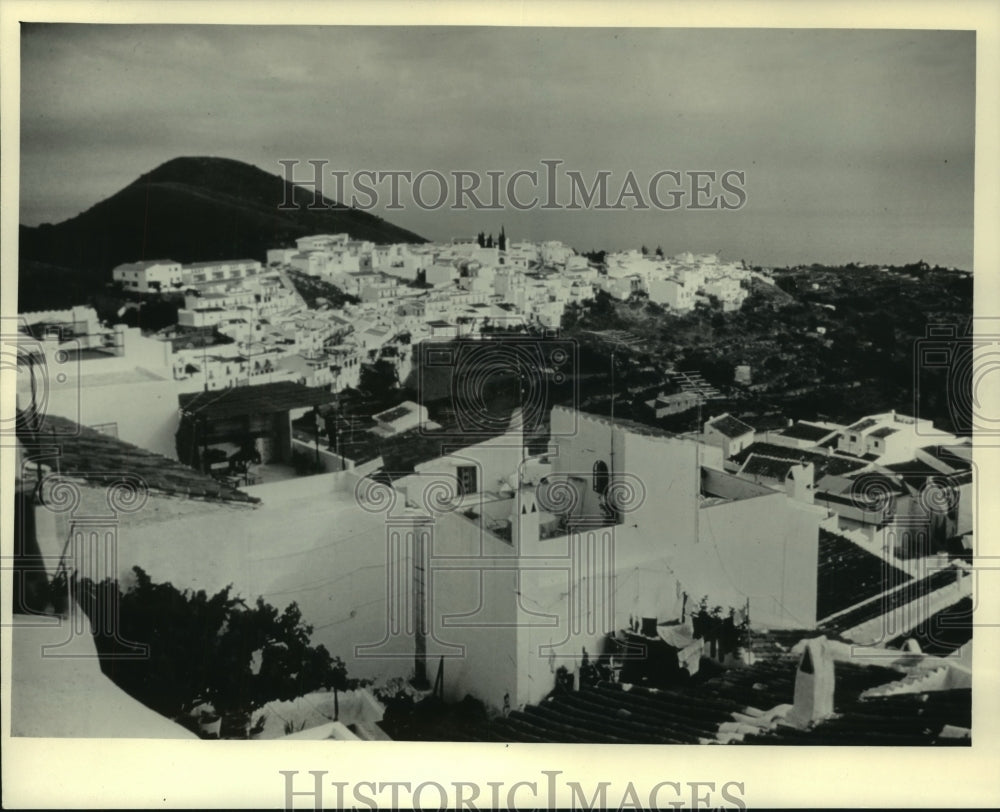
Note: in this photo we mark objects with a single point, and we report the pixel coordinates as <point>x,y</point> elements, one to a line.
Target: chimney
<point>799,484</point>
<point>814,685</point>
<point>524,524</point>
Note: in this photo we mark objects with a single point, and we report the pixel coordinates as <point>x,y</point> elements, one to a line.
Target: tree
<point>379,379</point>
<point>202,649</point>
<point>659,252</point>
<point>571,316</point>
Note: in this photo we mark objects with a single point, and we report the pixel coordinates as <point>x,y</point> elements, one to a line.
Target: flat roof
<point>806,431</point>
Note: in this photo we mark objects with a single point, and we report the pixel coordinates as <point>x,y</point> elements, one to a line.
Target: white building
<point>441,274</point>
<point>537,555</point>
<point>672,293</point>
<point>728,433</point>
<point>322,242</point>
<point>215,272</point>
<point>117,382</point>
<point>890,437</point>
<point>150,276</point>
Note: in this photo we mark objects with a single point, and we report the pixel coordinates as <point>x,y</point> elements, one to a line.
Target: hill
<point>821,343</point>
<point>188,210</point>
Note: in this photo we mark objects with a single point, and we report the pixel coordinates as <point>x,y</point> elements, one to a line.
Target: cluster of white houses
<point>502,562</point>
<point>405,294</point>
<point>677,282</point>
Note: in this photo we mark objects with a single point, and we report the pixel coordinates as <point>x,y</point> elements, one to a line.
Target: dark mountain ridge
<point>188,209</point>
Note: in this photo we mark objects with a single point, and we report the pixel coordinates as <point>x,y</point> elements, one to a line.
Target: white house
<point>119,383</point>
<point>890,437</point>
<point>670,292</point>
<point>150,276</point>
<point>537,553</point>
<point>729,434</point>
<point>214,272</point>
<point>441,274</point>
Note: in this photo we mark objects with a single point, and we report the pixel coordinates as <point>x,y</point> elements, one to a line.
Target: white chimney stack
<point>814,685</point>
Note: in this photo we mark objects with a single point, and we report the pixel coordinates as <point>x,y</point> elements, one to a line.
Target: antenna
<point>617,339</point>
<point>693,383</point>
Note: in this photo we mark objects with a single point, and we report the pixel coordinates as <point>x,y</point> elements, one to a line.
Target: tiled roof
<point>267,398</point>
<point>945,455</point>
<point>806,431</point>
<point>730,426</point>
<point>885,431</point>
<point>861,425</point>
<point>825,464</point>
<point>609,713</point>
<point>770,467</point>
<point>901,720</point>
<point>617,713</point>
<point>914,471</point>
<point>913,590</point>
<point>869,489</point>
<point>849,575</point>
<point>101,459</point>
<point>943,632</point>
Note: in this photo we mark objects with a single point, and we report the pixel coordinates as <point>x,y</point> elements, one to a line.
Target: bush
<point>202,649</point>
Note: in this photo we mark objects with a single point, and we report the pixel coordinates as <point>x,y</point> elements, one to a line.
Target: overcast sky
<point>857,145</point>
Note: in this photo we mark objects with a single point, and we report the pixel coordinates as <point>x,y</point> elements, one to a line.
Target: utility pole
<point>614,349</point>
<point>316,431</point>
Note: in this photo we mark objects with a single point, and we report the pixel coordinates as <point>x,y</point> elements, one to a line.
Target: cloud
<point>834,121</point>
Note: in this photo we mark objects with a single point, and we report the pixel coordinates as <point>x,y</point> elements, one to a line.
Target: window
<point>600,476</point>
<point>466,479</point>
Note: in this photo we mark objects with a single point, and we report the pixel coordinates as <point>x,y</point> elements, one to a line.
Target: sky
<point>857,145</point>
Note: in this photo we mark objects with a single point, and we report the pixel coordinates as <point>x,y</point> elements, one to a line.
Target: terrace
<point>234,433</point>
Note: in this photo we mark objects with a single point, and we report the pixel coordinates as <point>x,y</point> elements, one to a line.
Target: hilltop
<point>188,209</point>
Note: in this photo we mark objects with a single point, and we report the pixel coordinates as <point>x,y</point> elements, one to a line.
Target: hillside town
<point>555,575</point>
<point>398,296</point>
